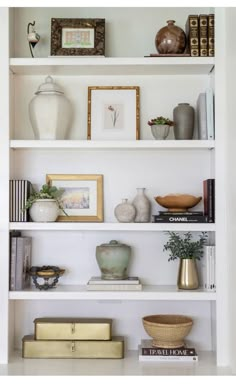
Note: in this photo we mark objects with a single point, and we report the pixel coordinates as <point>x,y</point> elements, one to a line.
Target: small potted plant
<point>45,205</point>
<point>188,251</point>
<point>160,127</point>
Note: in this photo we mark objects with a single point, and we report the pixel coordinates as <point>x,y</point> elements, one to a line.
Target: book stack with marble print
<point>72,338</point>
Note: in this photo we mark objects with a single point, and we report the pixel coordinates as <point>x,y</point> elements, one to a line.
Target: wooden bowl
<point>167,330</point>
<point>178,202</point>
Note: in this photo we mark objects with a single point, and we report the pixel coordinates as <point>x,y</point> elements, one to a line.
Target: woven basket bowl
<point>167,330</point>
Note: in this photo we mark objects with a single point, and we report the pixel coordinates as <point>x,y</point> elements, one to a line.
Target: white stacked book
<point>205,115</point>
<point>149,353</point>
<point>128,284</point>
<point>208,265</point>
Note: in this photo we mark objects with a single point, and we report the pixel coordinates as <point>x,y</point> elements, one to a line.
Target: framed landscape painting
<point>82,197</point>
<point>113,113</point>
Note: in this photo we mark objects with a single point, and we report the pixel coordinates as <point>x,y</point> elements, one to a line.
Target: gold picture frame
<point>82,197</point>
<point>113,113</point>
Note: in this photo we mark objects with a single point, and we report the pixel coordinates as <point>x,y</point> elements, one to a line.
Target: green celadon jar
<point>113,260</point>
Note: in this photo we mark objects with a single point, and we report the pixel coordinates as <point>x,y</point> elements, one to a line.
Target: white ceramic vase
<point>142,206</point>
<point>50,112</point>
<point>125,212</point>
<point>44,210</point>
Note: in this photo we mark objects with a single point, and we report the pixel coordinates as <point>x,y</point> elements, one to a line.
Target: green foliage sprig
<point>46,192</point>
<point>160,120</point>
<point>184,247</point>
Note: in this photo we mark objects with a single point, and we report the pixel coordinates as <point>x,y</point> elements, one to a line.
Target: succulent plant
<point>160,120</point>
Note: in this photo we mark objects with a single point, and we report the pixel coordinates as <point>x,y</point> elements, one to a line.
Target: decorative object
<point>113,113</point>
<point>188,252</point>
<point>125,212</point>
<point>32,37</point>
<point>113,349</point>
<point>73,328</point>
<point>183,121</point>
<point>113,260</point>
<point>50,112</point>
<point>77,37</point>
<point>45,205</point>
<point>170,39</point>
<point>50,275</point>
<point>178,202</point>
<point>142,206</point>
<point>82,198</point>
<point>167,330</point>
<point>160,127</point>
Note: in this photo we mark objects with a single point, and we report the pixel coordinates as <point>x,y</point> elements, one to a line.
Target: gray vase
<point>125,212</point>
<point>142,206</point>
<point>183,116</point>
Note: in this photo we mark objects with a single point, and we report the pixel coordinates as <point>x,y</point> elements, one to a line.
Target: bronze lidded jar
<point>170,39</point>
<point>113,260</point>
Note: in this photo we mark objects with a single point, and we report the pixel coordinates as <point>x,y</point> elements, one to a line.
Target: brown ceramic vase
<point>170,39</point>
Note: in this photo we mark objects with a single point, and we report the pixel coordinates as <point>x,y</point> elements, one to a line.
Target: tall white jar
<point>50,112</point>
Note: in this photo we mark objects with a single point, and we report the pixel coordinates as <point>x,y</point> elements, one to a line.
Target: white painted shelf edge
<point>119,145</point>
<point>79,292</point>
<point>112,65</point>
<point>103,226</point>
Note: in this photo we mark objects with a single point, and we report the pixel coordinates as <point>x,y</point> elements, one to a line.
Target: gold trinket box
<point>72,349</point>
<point>72,328</point>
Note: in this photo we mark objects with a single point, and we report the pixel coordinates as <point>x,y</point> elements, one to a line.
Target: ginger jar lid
<point>114,243</point>
<point>48,87</point>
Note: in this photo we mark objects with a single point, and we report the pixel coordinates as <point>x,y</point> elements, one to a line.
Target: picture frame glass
<point>77,38</point>
<point>113,114</point>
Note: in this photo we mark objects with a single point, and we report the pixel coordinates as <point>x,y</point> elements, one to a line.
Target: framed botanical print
<point>113,113</point>
<point>76,37</point>
<point>82,197</point>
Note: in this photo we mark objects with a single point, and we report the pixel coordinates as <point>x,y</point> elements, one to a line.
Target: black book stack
<point>180,217</point>
<point>19,193</point>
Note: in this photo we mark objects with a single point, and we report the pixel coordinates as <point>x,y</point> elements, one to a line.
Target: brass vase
<point>187,275</point>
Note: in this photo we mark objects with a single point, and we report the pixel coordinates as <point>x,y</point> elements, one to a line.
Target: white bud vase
<point>143,206</point>
<point>125,212</point>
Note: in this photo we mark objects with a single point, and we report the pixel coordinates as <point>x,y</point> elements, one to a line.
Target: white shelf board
<point>83,226</point>
<point>79,292</point>
<point>111,145</point>
<point>112,66</point>
<point>130,365</point>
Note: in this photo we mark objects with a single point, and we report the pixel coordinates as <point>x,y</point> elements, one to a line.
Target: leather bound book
<point>211,35</point>
<point>192,33</point>
<point>203,35</point>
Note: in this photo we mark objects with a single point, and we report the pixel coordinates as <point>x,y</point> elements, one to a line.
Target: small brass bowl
<point>178,202</point>
<point>50,275</point>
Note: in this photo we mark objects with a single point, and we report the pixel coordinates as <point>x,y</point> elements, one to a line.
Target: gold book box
<point>72,349</point>
<point>72,328</point>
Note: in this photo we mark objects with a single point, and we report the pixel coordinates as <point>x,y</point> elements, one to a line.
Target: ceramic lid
<point>49,87</point>
<point>114,243</point>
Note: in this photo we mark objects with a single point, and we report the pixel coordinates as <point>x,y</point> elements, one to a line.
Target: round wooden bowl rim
<point>186,321</point>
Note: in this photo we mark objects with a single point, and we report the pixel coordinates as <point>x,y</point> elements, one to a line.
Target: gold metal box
<point>72,328</point>
<point>72,349</point>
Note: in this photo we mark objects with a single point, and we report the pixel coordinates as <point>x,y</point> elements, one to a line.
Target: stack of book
<point>72,338</point>
<point>205,115</point>
<point>128,284</point>
<point>180,217</point>
<point>208,266</point>
<point>19,193</point>
<point>149,353</point>
<point>200,32</point>
<point>20,261</point>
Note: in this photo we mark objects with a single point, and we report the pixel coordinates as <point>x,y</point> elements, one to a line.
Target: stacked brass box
<point>72,338</point>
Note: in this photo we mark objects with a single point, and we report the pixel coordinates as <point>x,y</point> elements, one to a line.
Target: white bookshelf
<point>159,165</point>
